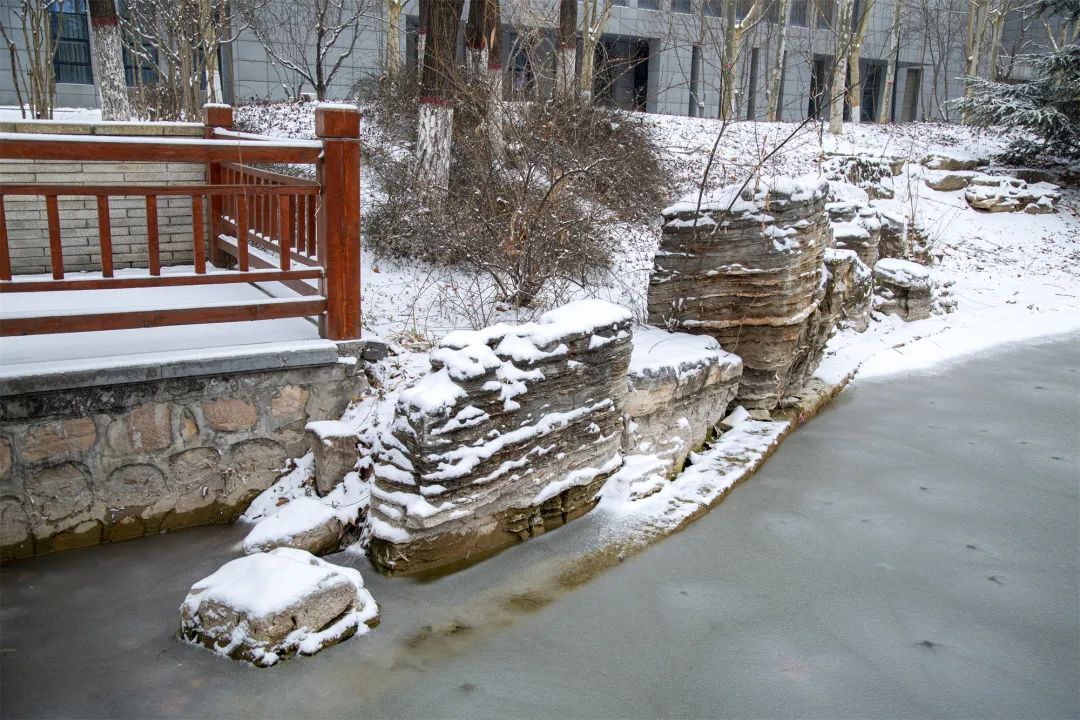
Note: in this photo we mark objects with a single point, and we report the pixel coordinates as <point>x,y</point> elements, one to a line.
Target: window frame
<point>81,72</point>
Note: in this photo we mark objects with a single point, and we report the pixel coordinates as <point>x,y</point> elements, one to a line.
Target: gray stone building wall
<point>28,233</point>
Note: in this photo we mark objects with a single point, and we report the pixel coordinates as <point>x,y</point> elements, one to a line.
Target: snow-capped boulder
<point>511,432</point>
<point>680,386</point>
<point>1008,194</point>
<point>903,288</point>
<point>333,443</point>
<point>872,174</point>
<point>952,160</point>
<point>948,180</point>
<point>265,607</point>
<point>303,523</point>
<point>848,289</point>
<point>746,268</point>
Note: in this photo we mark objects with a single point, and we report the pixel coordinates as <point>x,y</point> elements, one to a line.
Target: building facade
<point>660,56</point>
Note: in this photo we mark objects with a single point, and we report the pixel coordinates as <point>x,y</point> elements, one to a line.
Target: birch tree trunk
<point>596,15</point>
<point>727,63</point>
<point>566,54</point>
<point>436,122</point>
<point>393,38</point>
<point>854,91</point>
<point>496,108</point>
<point>109,61</point>
<point>421,35</point>
<point>838,88</point>
<point>890,73</point>
<point>977,17</point>
<point>777,73</point>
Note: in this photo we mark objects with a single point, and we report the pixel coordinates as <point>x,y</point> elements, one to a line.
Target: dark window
<point>742,8</point>
<point>522,81</point>
<point>772,12</point>
<point>140,69</point>
<point>713,8</point>
<point>621,3</point>
<point>648,5</point>
<point>681,6</point>
<point>72,35</point>
<point>798,12</point>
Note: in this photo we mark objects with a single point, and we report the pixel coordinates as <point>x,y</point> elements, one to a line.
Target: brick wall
<point>27,225</point>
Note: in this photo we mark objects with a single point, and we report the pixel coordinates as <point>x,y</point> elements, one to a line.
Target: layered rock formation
<point>872,174</point>
<point>265,607</point>
<point>680,387</point>
<point>903,288</point>
<point>856,225</point>
<point>511,433</point>
<point>746,268</point>
<point>848,292</point>
<point>1008,194</point>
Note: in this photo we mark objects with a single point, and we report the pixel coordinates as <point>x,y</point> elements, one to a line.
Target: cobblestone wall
<point>96,464</point>
<point>26,220</point>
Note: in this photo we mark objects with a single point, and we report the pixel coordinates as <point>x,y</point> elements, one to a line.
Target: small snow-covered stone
<point>903,288</point>
<point>265,607</point>
<point>1008,194</point>
<point>303,523</point>
<point>333,444</point>
<point>948,181</point>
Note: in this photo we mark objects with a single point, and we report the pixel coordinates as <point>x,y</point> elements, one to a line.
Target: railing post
<point>339,219</point>
<point>216,116</point>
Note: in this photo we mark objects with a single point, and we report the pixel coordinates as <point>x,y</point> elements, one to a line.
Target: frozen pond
<point>914,551</point>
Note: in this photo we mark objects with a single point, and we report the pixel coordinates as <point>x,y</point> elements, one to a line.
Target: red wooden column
<point>216,116</point>
<point>338,220</point>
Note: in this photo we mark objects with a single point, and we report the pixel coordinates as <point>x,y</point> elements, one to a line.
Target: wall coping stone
<point>104,128</point>
<point>165,366</point>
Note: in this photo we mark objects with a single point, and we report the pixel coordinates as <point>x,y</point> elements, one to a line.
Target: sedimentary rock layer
<point>511,432</point>
<point>746,268</point>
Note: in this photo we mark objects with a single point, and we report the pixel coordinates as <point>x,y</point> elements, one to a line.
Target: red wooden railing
<point>272,227</point>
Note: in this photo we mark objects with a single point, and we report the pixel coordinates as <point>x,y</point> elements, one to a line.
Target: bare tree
<point>39,82</point>
<point>393,36</point>
<point>421,34</point>
<point>735,30</point>
<point>777,72</point>
<point>109,61</point>
<point>187,35</point>
<point>476,40</point>
<point>978,15</point>
<point>840,66</point>
<point>436,112</point>
<point>894,50</point>
<point>596,14</point>
<point>566,54</point>
<point>311,38</point>
<point>854,56</point>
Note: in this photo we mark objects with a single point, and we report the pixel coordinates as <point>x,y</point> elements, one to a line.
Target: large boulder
<point>302,523</point>
<point>948,180</point>
<point>745,266</point>
<point>680,387</point>
<point>265,607</point>
<point>872,174</point>
<point>903,288</point>
<point>511,433</point>
<point>1007,194</point>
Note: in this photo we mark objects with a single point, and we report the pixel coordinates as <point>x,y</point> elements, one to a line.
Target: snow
<point>901,271</point>
<point>295,517</point>
<point>328,429</point>
<point>656,351</point>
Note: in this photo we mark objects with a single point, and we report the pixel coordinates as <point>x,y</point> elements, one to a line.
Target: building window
<point>522,81</point>
<point>681,6</point>
<point>72,35</point>
<point>648,5</point>
<point>713,8</point>
<point>140,70</point>
<point>824,13</point>
<point>742,9</point>
<point>798,13</point>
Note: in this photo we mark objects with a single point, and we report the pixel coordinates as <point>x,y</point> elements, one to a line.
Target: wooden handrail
<point>144,190</point>
<point>15,146</point>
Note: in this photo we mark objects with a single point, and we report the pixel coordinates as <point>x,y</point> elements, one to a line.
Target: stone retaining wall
<point>95,464</point>
<point>28,233</point>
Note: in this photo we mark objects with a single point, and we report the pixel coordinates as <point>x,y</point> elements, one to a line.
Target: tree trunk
<point>566,55</point>
<point>854,90</point>
<point>777,74</point>
<point>436,122</point>
<point>475,27</point>
<point>393,38</point>
<point>838,89</point>
<point>890,73</point>
<point>727,62</point>
<point>421,35</point>
<point>976,29</point>
<point>495,109</point>
<point>109,61</point>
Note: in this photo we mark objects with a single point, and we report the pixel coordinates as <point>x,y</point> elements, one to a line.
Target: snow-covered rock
<point>903,288</point>
<point>848,289</point>
<point>265,607</point>
<point>303,523</point>
<point>872,174</point>
<point>748,271</point>
<point>510,433</point>
<point>948,181</point>
<point>333,444</point>
<point>952,160</point>
<point>1009,194</point>
<point>680,385</point>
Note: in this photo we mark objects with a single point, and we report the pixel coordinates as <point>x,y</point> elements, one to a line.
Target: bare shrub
<point>542,213</point>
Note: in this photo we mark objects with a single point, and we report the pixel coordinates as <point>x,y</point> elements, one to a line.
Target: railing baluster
<point>287,207</point>
<point>152,247</point>
<point>105,235</point>
<point>197,237</point>
<point>5,254</point>
<point>242,231</point>
<point>311,238</point>
<point>301,217</point>
<point>56,249</point>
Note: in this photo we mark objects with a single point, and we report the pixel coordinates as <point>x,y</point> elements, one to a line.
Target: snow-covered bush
<point>543,210</point>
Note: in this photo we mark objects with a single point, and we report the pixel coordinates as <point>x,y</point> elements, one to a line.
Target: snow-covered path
<point>910,552</point>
